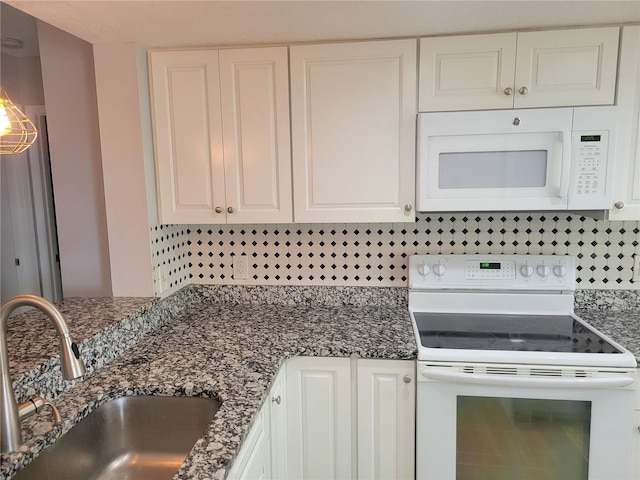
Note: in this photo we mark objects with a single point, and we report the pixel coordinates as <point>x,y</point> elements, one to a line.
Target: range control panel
<point>504,272</point>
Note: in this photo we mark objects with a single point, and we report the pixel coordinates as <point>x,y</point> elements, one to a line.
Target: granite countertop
<point>191,345</point>
<point>622,326</point>
<point>229,352</point>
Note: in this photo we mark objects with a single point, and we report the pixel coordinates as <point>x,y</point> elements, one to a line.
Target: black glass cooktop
<point>533,333</point>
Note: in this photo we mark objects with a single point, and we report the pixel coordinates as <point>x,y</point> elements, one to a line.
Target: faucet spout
<point>71,365</point>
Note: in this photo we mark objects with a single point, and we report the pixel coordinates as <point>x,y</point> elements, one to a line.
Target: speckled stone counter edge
<point>303,295</point>
<point>618,300</point>
<point>102,349</point>
<point>615,300</point>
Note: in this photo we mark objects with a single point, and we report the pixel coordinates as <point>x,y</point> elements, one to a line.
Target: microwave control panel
<point>589,151</point>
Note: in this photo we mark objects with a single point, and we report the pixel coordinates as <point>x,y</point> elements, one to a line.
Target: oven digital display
<point>490,266</point>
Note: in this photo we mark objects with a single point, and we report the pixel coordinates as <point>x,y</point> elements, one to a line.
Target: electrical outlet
<point>241,267</point>
<point>636,268</point>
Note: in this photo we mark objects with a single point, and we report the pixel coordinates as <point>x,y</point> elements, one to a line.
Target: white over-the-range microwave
<point>534,159</point>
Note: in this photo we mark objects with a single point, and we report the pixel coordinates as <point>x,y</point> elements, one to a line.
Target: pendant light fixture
<point>17,132</point>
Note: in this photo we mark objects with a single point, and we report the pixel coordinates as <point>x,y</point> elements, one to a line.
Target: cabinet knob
<point>406,379</point>
<point>508,91</point>
<point>523,90</point>
<point>218,209</point>
<point>276,399</point>
<point>408,207</point>
<point>619,205</point>
<point>230,209</point>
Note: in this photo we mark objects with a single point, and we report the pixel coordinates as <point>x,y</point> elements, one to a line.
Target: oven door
<point>503,421</point>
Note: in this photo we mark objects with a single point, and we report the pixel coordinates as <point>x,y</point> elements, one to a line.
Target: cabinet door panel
<point>254,459</point>
<point>469,72</point>
<point>567,67</point>
<point>353,124</point>
<point>279,404</point>
<point>626,193</point>
<point>188,135</point>
<point>319,418</point>
<point>386,419</point>
<point>255,108</point>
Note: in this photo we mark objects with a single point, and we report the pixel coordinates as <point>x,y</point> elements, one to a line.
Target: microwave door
<point>526,171</point>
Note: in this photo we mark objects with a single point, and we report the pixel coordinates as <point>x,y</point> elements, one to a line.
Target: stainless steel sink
<point>139,438</point>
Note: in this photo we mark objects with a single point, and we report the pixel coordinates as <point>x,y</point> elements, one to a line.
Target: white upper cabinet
<point>221,123</point>
<point>626,190</point>
<point>467,72</point>
<point>353,113</point>
<point>519,70</point>
<point>188,135</point>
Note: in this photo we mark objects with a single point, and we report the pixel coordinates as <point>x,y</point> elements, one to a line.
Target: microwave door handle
<point>565,168</point>
<point>513,381</point>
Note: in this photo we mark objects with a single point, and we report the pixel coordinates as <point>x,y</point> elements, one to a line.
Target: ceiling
<point>164,23</point>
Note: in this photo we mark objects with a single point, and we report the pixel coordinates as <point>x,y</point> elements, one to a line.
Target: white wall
<point>123,166</point>
<point>72,117</point>
<point>22,80</point>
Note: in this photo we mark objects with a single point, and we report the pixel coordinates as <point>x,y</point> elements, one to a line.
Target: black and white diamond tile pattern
<point>376,254</point>
<point>169,246</point>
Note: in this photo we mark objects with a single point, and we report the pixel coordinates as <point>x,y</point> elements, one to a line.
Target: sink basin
<point>143,437</point>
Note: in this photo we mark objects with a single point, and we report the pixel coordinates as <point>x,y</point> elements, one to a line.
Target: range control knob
<point>439,269</point>
<point>543,270</point>
<point>559,270</point>
<point>526,270</point>
<point>423,269</point>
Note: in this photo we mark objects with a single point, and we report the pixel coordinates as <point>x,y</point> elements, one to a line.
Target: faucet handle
<point>35,405</point>
<point>71,363</point>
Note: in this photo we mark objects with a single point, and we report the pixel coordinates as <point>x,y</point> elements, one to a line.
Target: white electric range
<point>504,364</point>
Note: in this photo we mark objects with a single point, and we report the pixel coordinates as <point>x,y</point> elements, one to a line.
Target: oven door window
<point>508,438</point>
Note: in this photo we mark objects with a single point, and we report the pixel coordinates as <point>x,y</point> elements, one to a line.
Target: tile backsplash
<point>376,254</point>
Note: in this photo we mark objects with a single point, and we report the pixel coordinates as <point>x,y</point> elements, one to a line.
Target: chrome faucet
<point>70,362</point>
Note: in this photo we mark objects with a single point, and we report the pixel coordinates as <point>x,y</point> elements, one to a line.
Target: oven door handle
<point>513,381</point>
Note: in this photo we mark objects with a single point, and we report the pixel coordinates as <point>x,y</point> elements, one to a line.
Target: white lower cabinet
<point>277,404</point>
<point>254,459</point>
<point>334,418</point>
<point>636,455</point>
<point>386,419</point>
<point>319,418</point>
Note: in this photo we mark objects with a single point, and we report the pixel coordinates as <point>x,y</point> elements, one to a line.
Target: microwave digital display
<point>589,138</point>
<point>490,266</point>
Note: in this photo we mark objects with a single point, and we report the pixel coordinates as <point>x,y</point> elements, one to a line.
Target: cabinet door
<point>319,418</point>
<point>566,67</point>
<point>386,419</point>
<point>626,192</point>
<point>278,401</point>
<point>470,72</point>
<point>255,118</point>
<point>254,459</point>
<point>353,112</point>
<point>188,136</point>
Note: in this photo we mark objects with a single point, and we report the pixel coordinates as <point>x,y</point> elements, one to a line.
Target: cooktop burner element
<point>534,333</point>
<point>515,309</point>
